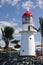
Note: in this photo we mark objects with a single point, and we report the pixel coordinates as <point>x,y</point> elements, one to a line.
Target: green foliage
<point>17,46</point>
<point>41,22</point>
<point>9,32</point>
<point>41,25</point>
<point>1,47</point>
<point>15,41</point>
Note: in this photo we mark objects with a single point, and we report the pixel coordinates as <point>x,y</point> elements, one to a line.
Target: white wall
<point>27,44</point>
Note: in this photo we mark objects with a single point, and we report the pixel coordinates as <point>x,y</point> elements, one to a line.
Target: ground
<point>13,58</point>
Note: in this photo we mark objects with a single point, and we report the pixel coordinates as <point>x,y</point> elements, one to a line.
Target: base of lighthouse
<point>27,44</point>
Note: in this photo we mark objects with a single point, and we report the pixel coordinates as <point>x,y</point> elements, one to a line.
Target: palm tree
<point>7,34</point>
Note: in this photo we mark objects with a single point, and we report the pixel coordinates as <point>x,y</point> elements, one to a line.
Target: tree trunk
<point>6,43</point>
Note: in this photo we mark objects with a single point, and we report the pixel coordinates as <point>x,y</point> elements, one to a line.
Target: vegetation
<point>7,34</point>
<point>41,25</point>
<point>38,45</point>
<point>16,42</point>
<point>1,47</point>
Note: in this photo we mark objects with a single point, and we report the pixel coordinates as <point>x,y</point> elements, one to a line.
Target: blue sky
<point>11,11</point>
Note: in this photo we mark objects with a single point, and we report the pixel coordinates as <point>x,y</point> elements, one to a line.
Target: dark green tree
<point>7,35</point>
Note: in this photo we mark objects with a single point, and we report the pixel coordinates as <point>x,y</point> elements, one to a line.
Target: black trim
<point>27,56</point>
<point>35,28</point>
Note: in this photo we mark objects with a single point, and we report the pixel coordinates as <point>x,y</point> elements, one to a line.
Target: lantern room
<point>27,18</point>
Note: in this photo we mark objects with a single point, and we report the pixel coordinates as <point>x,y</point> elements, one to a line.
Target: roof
<point>27,13</point>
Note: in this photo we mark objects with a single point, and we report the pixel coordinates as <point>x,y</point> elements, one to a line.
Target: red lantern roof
<point>27,13</point>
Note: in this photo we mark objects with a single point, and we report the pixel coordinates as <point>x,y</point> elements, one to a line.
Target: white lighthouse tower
<point>27,35</point>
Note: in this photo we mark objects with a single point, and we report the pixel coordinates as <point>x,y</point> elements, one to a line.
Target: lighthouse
<point>27,35</point>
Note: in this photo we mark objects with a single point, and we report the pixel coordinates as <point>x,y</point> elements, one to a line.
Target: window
<point>28,27</point>
<point>28,18</point>
<point>25,20</point>
<point>23,50</point>
<point>30,38</point>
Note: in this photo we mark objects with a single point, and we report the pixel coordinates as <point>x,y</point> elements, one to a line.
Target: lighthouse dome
<point>27,13</point>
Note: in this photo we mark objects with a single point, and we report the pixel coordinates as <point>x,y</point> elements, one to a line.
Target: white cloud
<point>17,34</point>
<point>13,23</point>
<point>9,1</point>
<point>5,23</point>
<point>17,31</point>
<point>7,16</point>
<point>0,6</point>
<point>2,2</point>
<point>40,3</point>
<point>28,5</point>
<point>2,43</point>
<point>10,24</point>
<point>14,19</point>
<point>12,2</point>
